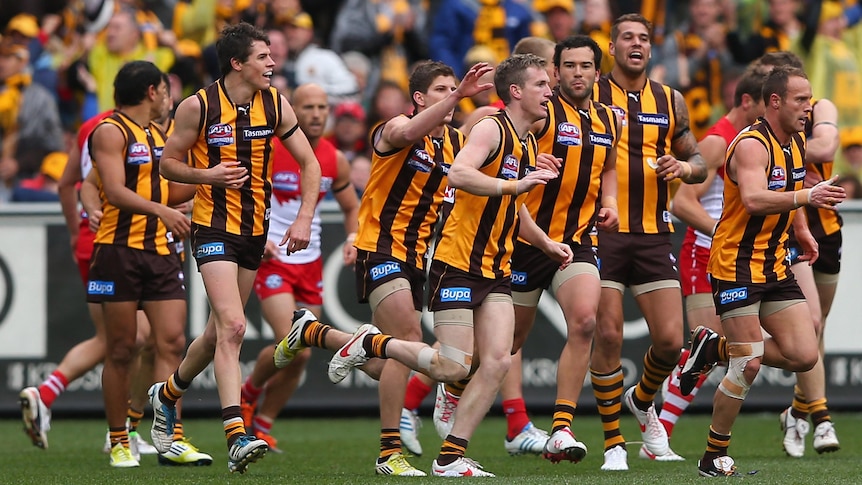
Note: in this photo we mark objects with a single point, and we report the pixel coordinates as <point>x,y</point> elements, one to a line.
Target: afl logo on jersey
<point>139,154</point>
<point>510,167</point>
<point>777,179</point>
<point>568,134</point>
<point>220,135</point>
<point>285,181</point>
<point>421,161</point>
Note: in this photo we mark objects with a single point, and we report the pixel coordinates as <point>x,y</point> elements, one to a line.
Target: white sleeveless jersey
<point>282,215</point>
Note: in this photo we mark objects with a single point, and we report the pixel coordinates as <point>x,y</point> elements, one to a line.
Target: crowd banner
<point>43,314</point>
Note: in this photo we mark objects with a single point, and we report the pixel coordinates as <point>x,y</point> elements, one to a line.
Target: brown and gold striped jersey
<point>648,126</point>
<point>566,207</point>
<point>230,132</point>
<point>403,198</point>
<point>821,222</point>
<point>749,248</point>
<point>478,236</point>
<point>143,151</point>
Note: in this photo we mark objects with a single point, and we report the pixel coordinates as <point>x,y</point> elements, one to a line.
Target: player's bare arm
<point>108,148</point>
<point>68,194</point>
<point>823,142</point>
<point>173,166</point>
<point>402,131</point>
<point>686,163</point>
<point>90,199</point>
<point>533,234</point>
<point>345,195</point>
<point>608,215</point>
<point>806,241</point>
<point>686,202</point>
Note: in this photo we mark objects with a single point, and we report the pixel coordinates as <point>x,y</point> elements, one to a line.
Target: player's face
<point>632,48</point>
<point>312,110</point>
<point>796,106</point>
<point>439,90</point>
<point>162,103</point>
<point>257,69</point>
<point>536,93</point>
<point>577,73</point>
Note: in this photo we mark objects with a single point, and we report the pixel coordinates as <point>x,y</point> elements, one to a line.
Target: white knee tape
<point>458,356</point>
<point>426,355</point>
<point>735,384</point>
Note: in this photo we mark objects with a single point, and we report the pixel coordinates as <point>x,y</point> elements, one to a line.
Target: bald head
<point>312,109</point>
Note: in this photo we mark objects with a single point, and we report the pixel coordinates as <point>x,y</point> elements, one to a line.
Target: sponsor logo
<point>325,185</point>
<point>157,152</point>
<point>220,135</point>
<point>256,133</point>
<point>777,179</point>
<point>659,119</point>
<point>456,294</point>
<point>449,195</point>
<point>445,167</point>
<point>95,287</point>
<point>792,254</point>
<point>139,154</point>
<point>519,278</point>
<point>635,96</point>
<point>568,134</point>
<point>621,114</point>
<point>384,269</point>
<point>209,249</point>
<point>509,170</point>
<point>601,139</point>
<point>665,216</point>
<point>285,182</point>
<point>266,214</point>
<point>798,174</point>
<point>273,281</point>
<point>732,295</point>
<point>421,161</point>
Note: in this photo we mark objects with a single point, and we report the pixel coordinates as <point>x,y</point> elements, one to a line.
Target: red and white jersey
<point>83,141</point>
<point>287,197</point>
<point>713,199</point>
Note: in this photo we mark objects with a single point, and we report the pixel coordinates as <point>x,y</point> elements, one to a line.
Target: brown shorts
<point>453,289</point>
<point>532,269</point>
<point>829,258</point>
<point>730,295</point>
<point>120,273</point>
<point>636,259</point>
<point>374,269</point>
<point>210,244</point>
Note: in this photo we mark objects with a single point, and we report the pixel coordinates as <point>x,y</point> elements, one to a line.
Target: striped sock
<point>799,407</point>
<point>675,403</point>
<point>716,445</point>
<point>452,449</point>
<point>250,393</point>
<point>375,345</point>
<point>174,389</point>
<point>178,430</point>
<point>262,424</point>
<point>134,417</point>
<point>608,390</point>
<point>233,428</point>
<point>655,372</point>
<point>119,435</point>
<point>314,335</point>
<point>819,412</point>
<point>564,413</point>
<point>390,443</point>
<point>53,386</point>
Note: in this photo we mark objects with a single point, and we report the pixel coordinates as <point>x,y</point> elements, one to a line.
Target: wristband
<point>499,187</point>
<point>351,237</point>
<point>685,173</point>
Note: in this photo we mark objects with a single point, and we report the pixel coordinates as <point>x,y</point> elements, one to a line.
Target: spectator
<point>278,52</point>
<point>360,66</point>
<point>360,172</point>
<point>780,32</point>
<point>350,132</point>
<point>122,43</point>
<point>597,24</point>
<point>559,15</point>
<point>29,119</point>
<point>388,101</point>
<point>310,63</point>
<point>498,24</point>
<point>42,187</point>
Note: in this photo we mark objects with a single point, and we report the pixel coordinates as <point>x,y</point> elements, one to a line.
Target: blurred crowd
<point>58,59</point>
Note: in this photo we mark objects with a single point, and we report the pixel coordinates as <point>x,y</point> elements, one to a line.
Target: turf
<point>342,451</point>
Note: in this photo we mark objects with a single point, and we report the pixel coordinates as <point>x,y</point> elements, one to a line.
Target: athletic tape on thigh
<point>459,316</point>
<point>570,272</point>
<point>498,297</point>
<point>826,278</point>
<point>458,356</point>
<point>768,308</point>
<point>743,311</point>
<point>638,290</point>
<point>527,298</point>
<point>698,301</point>
<point>734,383</point>
<point>381,292</point>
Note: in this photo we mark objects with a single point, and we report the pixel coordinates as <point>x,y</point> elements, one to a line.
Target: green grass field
<point>342,451</point>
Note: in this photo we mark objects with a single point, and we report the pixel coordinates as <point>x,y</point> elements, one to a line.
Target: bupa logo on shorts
<point>256,133</point>
<point>421,161</point>
<point>732,295</point>
<point>220,135</point>
<point>384,269</point>
<point>792,254</point>
<point>621,114</point>
<point>658,119</point>
<point>95,287</point>
<point>519,278</point>
<point>456,294</point>
<point>777,179</point>
<point>568,134</point>
<point>209,249</point>
<point>273,281</point>
<point>509,170</point>
<point>139,154</point>
<point>601,139</point>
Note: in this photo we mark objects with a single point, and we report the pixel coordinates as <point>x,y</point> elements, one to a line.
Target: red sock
<point>249,392</point>
<point>53,386</point>
<point>516,416</point>
<point>416,393</point>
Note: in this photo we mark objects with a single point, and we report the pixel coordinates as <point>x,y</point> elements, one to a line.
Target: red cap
<point>350,108</point>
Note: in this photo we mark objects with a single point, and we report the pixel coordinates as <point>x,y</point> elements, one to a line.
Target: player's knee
<point>452,364</point>
<point>122,352</point>
<point>583,328</point>
<point>233,330</point>
<point>742,368</point>
<point>804,360</point>
<point>497,366</point>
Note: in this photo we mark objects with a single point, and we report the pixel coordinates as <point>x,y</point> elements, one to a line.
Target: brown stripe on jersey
<point>124,218</point>
<point>272,111</point>
<point>635,185</point>
<point>752,229</point>
<point>217,214</point>
<point>556,114</point>
<point>244,154</point>
<point>771,260</point>
<point>429,191</point>
<point>155,192</point>
<point>663,105</point>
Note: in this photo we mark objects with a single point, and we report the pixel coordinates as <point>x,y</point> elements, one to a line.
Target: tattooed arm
<point>684,144</point>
